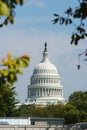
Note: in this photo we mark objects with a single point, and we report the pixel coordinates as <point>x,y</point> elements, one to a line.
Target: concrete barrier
<point>30,127</point>
<point>42,127</point>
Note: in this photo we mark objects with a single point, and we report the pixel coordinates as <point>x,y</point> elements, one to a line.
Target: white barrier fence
<point>15,121</point>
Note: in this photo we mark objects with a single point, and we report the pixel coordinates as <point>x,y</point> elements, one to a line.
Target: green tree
<point>82,116</point>
<point>8,103</point>
<point>75,110</point>
<point>10,68</point>
<point>72,16</point>
<point>79,100</point>
<point>7,10</point>
<point>70,113</point>
<point>22,111</point>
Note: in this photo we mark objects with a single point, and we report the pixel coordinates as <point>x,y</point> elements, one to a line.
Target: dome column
<point>61,93</point>
<point>42,92</point>
<point>39,91</point>
<point>50,92</point>
<point>36,92</point>
<point>28,92</point>
<point>53,92</point>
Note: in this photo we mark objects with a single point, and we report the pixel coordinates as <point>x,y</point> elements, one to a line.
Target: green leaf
<point>12,77</point>
<point>85,34</point>
<point>77,38</point>
<point>1,25</point>
<point>6,21</point>
<point>72,38</point>
<point>80,29</point>
<point>66,22</point>
<point>56,15</point>
<point>69,11</point>
<point>21,2</point>
<point>70,21</point>
<point>62,20</point>
<point>55,20</point>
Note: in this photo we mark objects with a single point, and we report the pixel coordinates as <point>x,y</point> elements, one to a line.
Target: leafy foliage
<point>73,111</point>
<point>8,102</point>
<point>79,99</point>
<point>10,68</point>
<point>80,14</point>
<point>7,10</point>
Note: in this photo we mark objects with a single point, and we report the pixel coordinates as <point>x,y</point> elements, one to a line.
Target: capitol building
<point>45,86</point>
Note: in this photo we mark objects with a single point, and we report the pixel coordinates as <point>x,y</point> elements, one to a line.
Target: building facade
<point>45,86</point>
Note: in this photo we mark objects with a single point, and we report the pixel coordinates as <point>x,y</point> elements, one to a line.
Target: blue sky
<point>32,28</point>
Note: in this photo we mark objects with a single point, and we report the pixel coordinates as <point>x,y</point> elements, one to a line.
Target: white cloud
<point>37,3</point>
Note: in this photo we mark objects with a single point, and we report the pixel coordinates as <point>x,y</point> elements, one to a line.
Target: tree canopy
<point>79,99</point>
<point>10,67</point>
<point>71,17</point>
<point>73,111</point>
<point>8,102</point>
<point>7,11</point>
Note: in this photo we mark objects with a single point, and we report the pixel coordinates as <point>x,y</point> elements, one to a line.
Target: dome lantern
<point>45,50</point>
<point>45,54</point>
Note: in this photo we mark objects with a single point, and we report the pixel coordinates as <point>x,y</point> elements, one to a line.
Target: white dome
<point>45,67</point>
<point>45,83</point>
